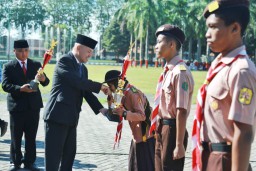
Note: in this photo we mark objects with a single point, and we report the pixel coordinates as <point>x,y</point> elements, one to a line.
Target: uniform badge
<point>214,105</point>
<point>213,6</point>
<point>184,86</point>
<point>134,90</point>
<point>182,68</point>
<point>139,100</point>
<point>245,96</point>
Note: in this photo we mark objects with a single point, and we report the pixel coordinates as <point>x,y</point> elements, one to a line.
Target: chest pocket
<point>217,91</point>
<point>167,86</point>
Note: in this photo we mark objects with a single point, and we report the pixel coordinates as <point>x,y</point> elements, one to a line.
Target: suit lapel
<point>19,69</point>
<point>76,65</point>
<point>29,69</point>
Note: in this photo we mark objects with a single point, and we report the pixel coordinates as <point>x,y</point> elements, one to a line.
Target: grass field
<point>144,79</point>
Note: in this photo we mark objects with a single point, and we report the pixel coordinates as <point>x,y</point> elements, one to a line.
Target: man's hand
<point>178,152</point>
<point>105,89</point>
<point>26,88</point>
<point>104,111</point>
<point>110,100</point>
<point>118,111</point>
<point>40,75</point>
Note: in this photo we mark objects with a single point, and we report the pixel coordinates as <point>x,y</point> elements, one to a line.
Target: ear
<point>78,47</point>
<point>236,28</point>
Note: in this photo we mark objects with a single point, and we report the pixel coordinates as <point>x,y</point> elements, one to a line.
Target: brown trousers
<point>165,145</point>
<point>217,161</point>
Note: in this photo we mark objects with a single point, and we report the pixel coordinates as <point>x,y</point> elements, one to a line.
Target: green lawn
<point>144,79</point>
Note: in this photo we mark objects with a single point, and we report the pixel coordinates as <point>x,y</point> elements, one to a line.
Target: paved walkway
<point>95,139</point>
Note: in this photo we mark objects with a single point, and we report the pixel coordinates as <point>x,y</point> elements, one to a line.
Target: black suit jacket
<point>68,90</point>
<point>13,78</point>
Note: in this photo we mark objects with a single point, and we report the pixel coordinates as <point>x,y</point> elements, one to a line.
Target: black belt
<point>170,122</point>
<point>221,147</point>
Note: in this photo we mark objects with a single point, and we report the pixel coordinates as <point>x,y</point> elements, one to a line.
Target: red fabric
<point>47,57</point>
<point>157,101</point>
<point>120,124</point>
<point>196,144</point>
<point>126,63</point>
<point>24,68</point>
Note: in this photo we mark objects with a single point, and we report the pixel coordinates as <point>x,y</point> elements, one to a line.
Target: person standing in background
<point>23,104</point>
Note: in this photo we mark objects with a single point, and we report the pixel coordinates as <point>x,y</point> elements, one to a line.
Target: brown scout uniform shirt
<point>230,97</point>
<point>134,102</point>
<point>177,89</point>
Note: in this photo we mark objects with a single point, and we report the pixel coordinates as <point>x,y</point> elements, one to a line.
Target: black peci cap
<point>112,75</point>
<point>20,44</point>
<point>86,41</point>
<point>222,5</point>
<point>172,30</point>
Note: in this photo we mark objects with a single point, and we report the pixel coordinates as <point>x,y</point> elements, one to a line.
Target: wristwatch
<point>124,114</point>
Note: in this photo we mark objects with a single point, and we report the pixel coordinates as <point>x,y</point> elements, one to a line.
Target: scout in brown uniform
<point>136,110</point>
<point>175,101</point>
<point>229,111</point>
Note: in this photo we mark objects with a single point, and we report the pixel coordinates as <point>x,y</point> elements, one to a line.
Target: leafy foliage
<point>116,40</point>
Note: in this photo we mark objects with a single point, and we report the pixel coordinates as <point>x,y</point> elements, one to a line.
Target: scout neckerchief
<point>157,99</point>
<point>120,123</point>
<point>196,152</point>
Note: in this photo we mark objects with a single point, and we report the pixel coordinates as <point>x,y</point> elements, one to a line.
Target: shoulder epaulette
<point>182,68</point>
<point>134,90</point>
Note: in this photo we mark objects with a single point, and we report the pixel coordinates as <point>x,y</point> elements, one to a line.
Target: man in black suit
<point>3,126</point>
<point>23,104</point>
<point>70,85</point>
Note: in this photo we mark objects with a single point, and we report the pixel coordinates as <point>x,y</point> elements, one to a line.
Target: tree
<point>104,10</point>
<point>141,17</point>
<point>24,13</point>
<point>116,40</point>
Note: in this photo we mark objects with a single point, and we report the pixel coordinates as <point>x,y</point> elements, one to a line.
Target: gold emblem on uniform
<point>182,68</point>
<point>139,100</point>
<point>214,105</point>
<point>245,96</point>
<point>213,6</point>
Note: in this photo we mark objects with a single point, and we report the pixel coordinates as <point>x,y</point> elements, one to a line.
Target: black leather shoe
<point>14,167</point>
<point>32,167</point>
<point>3,126</point>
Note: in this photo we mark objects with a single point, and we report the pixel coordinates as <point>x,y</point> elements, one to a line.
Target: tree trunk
<point>199,48</point>
<point>146,49</point>
<point>141,51</point>
<point>23,30</point>
<point>135,56</point>
<point>190,49</point>
<point>131,52</point>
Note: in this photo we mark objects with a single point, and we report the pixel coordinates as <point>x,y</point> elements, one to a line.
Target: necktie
<point>196,153</point>
<point>80,69</point>
<point>157,101</point>
<point>24,68</point>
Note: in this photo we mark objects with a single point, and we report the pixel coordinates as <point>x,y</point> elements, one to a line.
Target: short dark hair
<point>238,14</point>
<point>172,38</point>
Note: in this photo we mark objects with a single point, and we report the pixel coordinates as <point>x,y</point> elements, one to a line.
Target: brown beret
<point>171,30</point>
<point>20,44</point>
<point>86,41</point>
<point>220,5</point>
